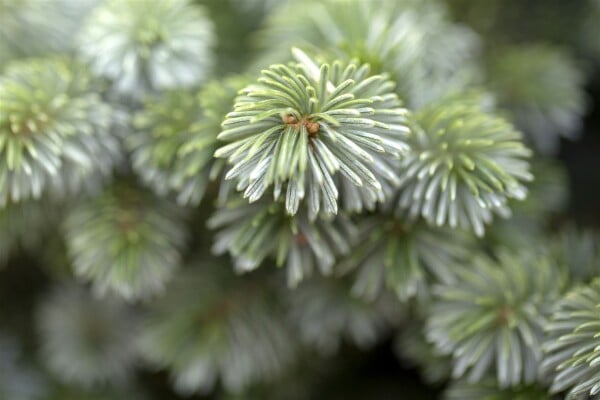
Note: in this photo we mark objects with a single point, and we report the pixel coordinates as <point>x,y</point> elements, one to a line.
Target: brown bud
<point>289,119</point>
<point>313,128</point>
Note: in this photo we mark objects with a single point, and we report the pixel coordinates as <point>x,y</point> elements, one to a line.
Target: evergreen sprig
<point>56,133</point>
<point>395,254</point>
<point>252,233</point>
<point>176,136</point>
<point>300,125</point>
<point>125,242</point>
<point>214,325</point>
<point>426,55</point>
<point>573,348</point>
<point>493,321</point>
<point>542,88</point>
<point>464,165</point>
<point>32,28</point>
<point>146,45</point>
<point>325,315</point>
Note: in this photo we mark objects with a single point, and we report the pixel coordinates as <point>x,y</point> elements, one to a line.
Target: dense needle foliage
<point>299,199</point>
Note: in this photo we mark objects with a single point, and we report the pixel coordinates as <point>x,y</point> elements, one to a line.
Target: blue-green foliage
<point>347,160</point>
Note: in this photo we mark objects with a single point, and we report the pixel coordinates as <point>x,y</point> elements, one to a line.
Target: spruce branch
<point>413,41</point>
<point>125,242</point>
<point>464,165</point>
<point>252,233</point>
<point>56,133</point>
<point>542,88</point>
<point>212,325</point>
<point>325,314</point>
<point>391,253</point>
<point>294,130</point>
<point>33,28</point>
<point>176,136</point>
<point>86,341</point>
<point>148,45</point>
<point>573,349</point>
<point>492,323</point>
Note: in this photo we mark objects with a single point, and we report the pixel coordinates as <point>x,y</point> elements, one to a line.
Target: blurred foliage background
<point>328,338</point>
